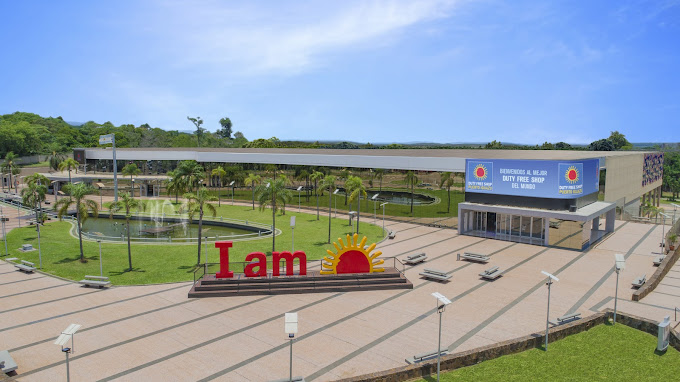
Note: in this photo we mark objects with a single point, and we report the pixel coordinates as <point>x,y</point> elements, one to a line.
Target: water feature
<point>397,197</point>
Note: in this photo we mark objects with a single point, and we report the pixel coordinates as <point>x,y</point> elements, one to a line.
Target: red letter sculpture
<point>224,272</point>
<point>289,258</point>
<point>261,264</point>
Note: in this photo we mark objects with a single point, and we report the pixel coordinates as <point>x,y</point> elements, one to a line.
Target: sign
<point>533,178</point>
<point>352,257</point>
<point>106,139</point>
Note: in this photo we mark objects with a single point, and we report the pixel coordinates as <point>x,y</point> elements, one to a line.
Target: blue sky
<point>366,71</point>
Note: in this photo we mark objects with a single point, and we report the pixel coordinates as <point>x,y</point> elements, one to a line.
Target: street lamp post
<point>547,320</point>
<point>101,270</point>
<point>292,226</point>
<point>383,207</point>
<point>442,302</point>
<point>298,190</point>
<point>374,198</point>
<point>4,234</point>
<point>291,328</point>
<point>62,340</point>
<point>619,266</point>
<point>335,199</point>
<point>232,191</point>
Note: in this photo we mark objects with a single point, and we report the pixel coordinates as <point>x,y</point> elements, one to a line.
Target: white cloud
<point>286,40</point>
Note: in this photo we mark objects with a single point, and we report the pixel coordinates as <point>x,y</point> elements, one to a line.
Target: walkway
<point>155,333</point>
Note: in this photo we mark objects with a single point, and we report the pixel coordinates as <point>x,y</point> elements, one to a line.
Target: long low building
<point>517,195</point>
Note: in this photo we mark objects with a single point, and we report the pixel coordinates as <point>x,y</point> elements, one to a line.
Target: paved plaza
<point>144,333</point>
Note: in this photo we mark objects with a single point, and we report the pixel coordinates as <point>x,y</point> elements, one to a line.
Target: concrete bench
<point>426,356</point>
<point>435,274</point>
<point>474,257</point>
<point>638,282</point>
<point>415,259</point>
<point>491,273</point>
<point>98,281</point>
<point>7,363</point>
<point>659,259</point>
<point>391,235</point>
<point>569,317</point>
<point>26,266</point>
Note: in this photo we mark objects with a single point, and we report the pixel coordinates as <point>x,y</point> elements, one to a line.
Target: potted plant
<point>671,239</point>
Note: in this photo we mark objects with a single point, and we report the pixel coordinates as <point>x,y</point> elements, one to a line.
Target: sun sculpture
<point>351,257</point>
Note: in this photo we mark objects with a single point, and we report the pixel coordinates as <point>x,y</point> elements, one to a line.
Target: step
<point>324,289</point>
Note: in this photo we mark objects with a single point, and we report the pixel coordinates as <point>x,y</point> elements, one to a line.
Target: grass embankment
<point>160,263</point>
<point>603,353</point>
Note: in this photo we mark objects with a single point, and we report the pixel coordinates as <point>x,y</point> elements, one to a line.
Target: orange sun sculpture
<point>352,258</point>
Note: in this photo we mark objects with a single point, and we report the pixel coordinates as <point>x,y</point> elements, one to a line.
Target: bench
<point>473,257</point>
<point>7,363</point>
<point>391,235</point>
<point>491,273</point>
<point>426,356</point>
<point>659,259</point>
<point>415,259</point>
<point>566,318</point>
<point>435,274</point>
<point>638,282</point>
<point>98,281</point>
<point>26,266</point>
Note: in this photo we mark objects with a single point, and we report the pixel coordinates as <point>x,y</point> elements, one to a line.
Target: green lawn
<point>170,263</point>
<point>435,210</point>
<point>603,353</point>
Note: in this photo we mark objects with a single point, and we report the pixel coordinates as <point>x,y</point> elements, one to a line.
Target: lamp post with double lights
<point>551,278</point>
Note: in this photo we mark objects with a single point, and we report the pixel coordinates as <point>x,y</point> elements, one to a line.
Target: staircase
<point>313,282</point>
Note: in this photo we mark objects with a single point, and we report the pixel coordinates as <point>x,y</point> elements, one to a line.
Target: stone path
<point>155,333</point>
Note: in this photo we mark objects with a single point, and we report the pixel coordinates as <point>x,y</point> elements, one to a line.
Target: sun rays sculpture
<point>351,257</point>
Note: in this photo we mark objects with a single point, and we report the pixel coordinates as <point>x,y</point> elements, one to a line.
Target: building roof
<point>404,159</point>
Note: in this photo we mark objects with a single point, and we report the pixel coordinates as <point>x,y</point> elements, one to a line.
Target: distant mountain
<point>75,124</point>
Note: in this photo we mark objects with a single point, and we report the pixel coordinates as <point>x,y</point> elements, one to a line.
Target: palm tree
<point>447,181</point>
<point>411,179</point>
<point>192,173</point>
<point>354,186</point>
<point>198,203</point>
<point>9,165</point>
<point>54,159</point>
<point>316,176</point>
<point>77,193</point>
<point>36,182</point>
<point>379,173</point>
<point>127,203</point>
<point>345,174</point>
<point>176,185</point>
<point>131,169</point>
<point>253,180</point>
<point>219,173</point>
<point>270,192</point>
<point>68,165</point>
<point>328,183</point>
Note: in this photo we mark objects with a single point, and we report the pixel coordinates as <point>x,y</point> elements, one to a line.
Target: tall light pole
<point>63,340</point>
<point>442,302</point>
<point>291,328</point>
<point>374,198</point>
<point>4,234</point>
<point>298,190</point>
<point>383,207</point>
<point>292,226</point>
<point>547,320</point>
<point>232,191</point>
<point>619,266</point>
<point>335,199</point>
<point>101,270</point>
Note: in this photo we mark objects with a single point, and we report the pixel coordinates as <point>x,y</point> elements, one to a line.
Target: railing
<point>168,239</point>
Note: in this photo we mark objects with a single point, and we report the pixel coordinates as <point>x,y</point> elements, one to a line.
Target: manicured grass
<point>603,353</point>
<point>435,210</point>
<point>160,263</point>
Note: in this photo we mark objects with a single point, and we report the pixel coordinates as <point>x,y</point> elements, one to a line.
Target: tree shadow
<point>119,273</point>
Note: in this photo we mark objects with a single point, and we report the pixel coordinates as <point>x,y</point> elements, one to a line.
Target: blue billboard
<point>533,178</point>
